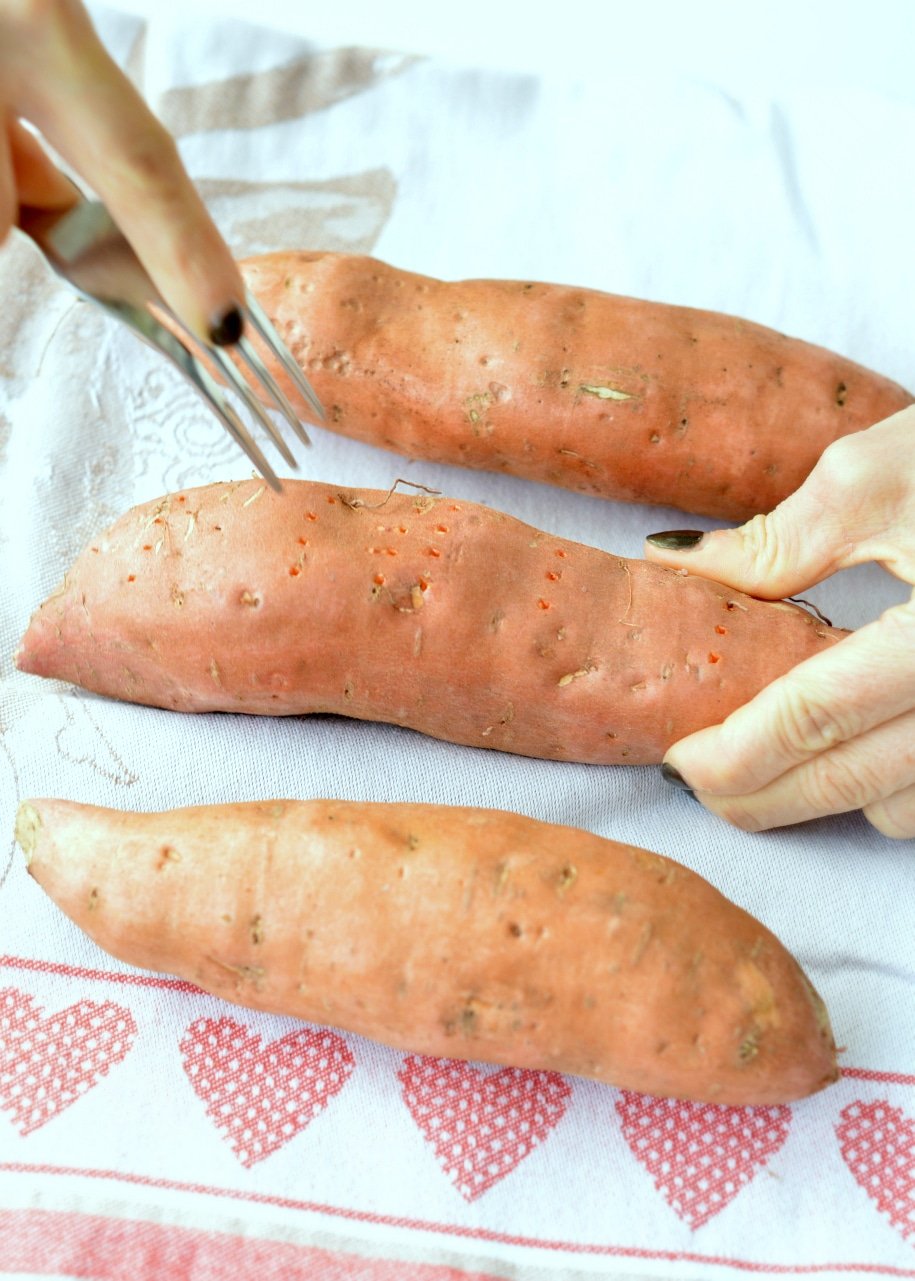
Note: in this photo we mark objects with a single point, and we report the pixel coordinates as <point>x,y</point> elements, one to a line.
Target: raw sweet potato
<point>443,616</point>
<point>603,394</point>
<point>466,933</point>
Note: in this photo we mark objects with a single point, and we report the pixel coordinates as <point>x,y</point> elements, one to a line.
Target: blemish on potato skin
<point>606,392</point>
<point>502,874</point>
<point>748,1048</point>
<point>167,855</point>
<point>642,943</point>
<point>567,877</point>
<point>242,973</point>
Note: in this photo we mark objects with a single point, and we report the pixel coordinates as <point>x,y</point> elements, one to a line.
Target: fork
<point>85,247</point>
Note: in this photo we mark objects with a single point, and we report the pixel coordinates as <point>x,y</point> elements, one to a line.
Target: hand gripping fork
<point>86,248</point>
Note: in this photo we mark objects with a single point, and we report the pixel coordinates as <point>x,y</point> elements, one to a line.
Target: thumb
<point>799,543</point>
<point>39,182</point>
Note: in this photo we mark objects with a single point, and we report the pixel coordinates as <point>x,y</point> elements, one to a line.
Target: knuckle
<point>844,467</point>
<point>762,547</point>
<point>806,725</point>
<point>150,160</point>
<point>31,14</point>
<point>34,22</point>
<point>836,783</point>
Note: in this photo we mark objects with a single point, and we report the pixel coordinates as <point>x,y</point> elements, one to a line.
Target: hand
<point>55,74</point>
<point>837,732</point>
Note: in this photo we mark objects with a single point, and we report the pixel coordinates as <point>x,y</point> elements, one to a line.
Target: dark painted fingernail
<point>675,778</point>
<point>677,540</point>
<point>227,330</point>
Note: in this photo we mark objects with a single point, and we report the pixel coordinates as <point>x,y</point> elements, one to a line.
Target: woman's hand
<point>55,74</point>
<point>837,732</point>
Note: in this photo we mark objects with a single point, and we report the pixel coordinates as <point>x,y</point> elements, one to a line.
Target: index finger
<point>91,113</point>
<point>826,700</point>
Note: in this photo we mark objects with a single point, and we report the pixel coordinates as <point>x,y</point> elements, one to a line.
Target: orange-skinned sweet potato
<point>443,616</point>
<point>607,395</point>
<point>449,931</point>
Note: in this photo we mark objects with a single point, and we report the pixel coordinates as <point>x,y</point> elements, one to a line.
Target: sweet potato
<point>607,395</point>
<point>466,933</point>
<point>443,616</point>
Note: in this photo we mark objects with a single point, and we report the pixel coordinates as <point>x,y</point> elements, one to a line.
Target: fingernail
<point>227,330</point>
<point>673,776</point>
<point>677,540</point>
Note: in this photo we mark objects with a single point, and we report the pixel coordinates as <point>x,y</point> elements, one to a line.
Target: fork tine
<point>280,350</point>
<point>233,424</point>
<point>84,245</point>
<point>170,345</point>
<point>236,429</point>
<point>238,383</point>
<point>251,358</point>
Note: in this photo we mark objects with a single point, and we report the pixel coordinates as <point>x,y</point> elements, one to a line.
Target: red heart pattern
<point>48,1061</point>
<point>261,1096</point>
<point>877,1142</point>
<point>481,1125</point>
<point>700,1155</point>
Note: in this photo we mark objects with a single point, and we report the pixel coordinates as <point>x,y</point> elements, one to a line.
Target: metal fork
<point>86,248</point>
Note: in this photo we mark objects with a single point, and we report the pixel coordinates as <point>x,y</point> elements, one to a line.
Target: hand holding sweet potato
<point>836,733</point>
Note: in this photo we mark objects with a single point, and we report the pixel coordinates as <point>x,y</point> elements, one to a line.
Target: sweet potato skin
<point>450,931</point>
<point>607,395</point>
<point>442,616</point>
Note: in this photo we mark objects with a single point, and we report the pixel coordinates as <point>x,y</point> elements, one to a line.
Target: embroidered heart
<point>261,1096</point>
<point>700,1155</point>
<point>48,1061</point>
<point>877,1142</point>
<point>481,1125</point>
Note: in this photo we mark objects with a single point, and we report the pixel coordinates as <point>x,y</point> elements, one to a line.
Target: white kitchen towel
<point>148,1130</point>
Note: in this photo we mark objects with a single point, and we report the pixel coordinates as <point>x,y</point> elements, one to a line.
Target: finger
<point>39,182</point>
<point>828,699</point>
<point>92,115</point>
<point>8,204</point>
<point>895,815</point>
<point>865,773</point>
<point>851,509</point>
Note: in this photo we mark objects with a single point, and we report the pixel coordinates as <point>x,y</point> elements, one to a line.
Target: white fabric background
<point>655,171</point>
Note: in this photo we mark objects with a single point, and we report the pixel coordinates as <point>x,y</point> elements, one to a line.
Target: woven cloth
<point>147,1130</point>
